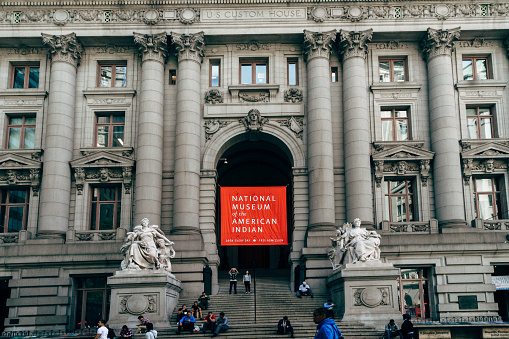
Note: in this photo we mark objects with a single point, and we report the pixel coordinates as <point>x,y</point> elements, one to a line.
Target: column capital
<point>318,44</point>
<point>438,42</point>
<point>189,46</point>
<point>152,46</point>
<point>353,44</point>
<point>64,48</point>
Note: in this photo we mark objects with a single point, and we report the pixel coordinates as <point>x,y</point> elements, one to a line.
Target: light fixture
<point>224,160</point>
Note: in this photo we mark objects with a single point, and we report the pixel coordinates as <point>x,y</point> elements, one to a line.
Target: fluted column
<point>317,49</point>
<point>356,125</point>
<point>186,205</point>
<point>437,47</point>
<point>149,142</point>
<point>65,52</point>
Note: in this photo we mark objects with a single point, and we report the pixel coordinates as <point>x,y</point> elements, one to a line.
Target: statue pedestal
<point>153,294</point>
<point>366,292</point>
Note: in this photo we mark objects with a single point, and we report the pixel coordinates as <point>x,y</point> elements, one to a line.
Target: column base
<point>450,225</point>
<point>150,293</point>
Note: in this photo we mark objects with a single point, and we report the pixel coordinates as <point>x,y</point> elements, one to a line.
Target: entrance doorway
<point>92,301</point>
<point>502,292</point>
<point>250,164</point>
<point>5,293</point>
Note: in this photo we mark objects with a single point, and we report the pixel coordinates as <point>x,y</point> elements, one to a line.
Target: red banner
<point>253,216</point>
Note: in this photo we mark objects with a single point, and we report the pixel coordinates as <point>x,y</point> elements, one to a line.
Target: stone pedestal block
<point>366,292</point>
<point>153,294</point>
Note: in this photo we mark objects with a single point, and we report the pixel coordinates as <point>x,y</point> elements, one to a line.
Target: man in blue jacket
<point>187,323</point>
<point>326,327</point>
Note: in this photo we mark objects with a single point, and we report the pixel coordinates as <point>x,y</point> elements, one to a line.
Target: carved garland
<point>103,175</point>
<point>401,168</point>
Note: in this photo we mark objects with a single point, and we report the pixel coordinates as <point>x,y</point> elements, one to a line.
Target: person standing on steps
<point>233,279</point>
<point>304,289</point>
<point>407,328</point>
<point>247,282</point>
<point>326,327</point>
<point>284,326</point>
<point>222,324</point>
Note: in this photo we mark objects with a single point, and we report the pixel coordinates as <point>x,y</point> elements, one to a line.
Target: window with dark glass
<point>334,74</point>
<point>399,200</point>
<point>487,198</point>
<point>392,69</point>
<point>92,301</point>
<point>254,72</point>
<point>25,76</point>
<point>413,286</point>
<point>14,209</point>
<point>480,123</point>
<point>292,71</point>
<point>112,74</point>
<point>173,76</point>
<point>476,68</point>
<point>21,132</point>
<point>395,124</point>
<point>215,73</point>
<point>105,207</point>
<point>110,129</point>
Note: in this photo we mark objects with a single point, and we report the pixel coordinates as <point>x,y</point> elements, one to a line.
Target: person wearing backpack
<point>326,327</point>
<point>151,333</point>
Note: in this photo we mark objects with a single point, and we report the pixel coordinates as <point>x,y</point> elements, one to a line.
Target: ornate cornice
<point>438,42</point>
<point>64,48</point>
<point>189,46</point>
<point>318,44</point>
<point>152,46</point>
<point>354,44</point>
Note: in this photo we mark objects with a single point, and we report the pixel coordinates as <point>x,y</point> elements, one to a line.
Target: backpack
<point>111,333</point>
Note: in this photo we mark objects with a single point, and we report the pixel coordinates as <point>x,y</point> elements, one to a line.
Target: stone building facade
<point>393,112</point>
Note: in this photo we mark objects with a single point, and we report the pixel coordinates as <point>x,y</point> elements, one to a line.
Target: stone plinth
<point>153,294</point>
<point>366,293</point>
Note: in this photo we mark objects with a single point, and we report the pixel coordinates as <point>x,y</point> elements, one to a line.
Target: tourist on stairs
<point>247,282</point>
<point>186,323</point>
<point>326,327</point>
<point>304,289</point>
<point>284,326</point>
<point>204,301</point>
<point>233,279</point>
<point>222,324</point>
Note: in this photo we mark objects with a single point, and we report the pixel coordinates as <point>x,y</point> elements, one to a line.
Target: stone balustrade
<point>96,235</point>
<point>15,237</point>
<point>491,225</point>
<point>414,227</point>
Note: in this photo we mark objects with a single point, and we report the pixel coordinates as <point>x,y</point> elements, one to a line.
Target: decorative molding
<point>293,95</point>
<point>64,48</point>
<point>152,46</point>
<point>371,296</point>
<point>438,42</point>
<point>393,44</point>
<point>188,15</point>
<point>113,49</point>
<point>296,125</point>
<point>476,43</point>
<point>354,44</point>
<point>151,16</point>
<point>18,170</point>
<point>484,157</point>
<point>261,97</point>
<point>23,50</point>
<point>318,44</point>
<point>189,46</point>
<point>318,14</point>
<point>138,304</point>
<point>253,45</point>
<point>214,96</point>
<point>253,121</point>
<point>213,126</point>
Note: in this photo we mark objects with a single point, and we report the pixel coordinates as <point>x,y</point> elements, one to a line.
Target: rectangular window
<point>173,76</point>
<point>105,207</point>
<point>414,292</point>
<point>487,198</point>
<point>476,68</point>
<point>395,124</point>
<point>480,123</point>
<point>334,74</point>
<point>14,209</point>
<point>254,72</point>
<point>25,76</point>
<point>112,74</point>
<point>109,129</point>
<point>399,200</point>
<point>393,69</point>
<point>292,71</point>
<point>92,300</point>
<point>21,132</point>
<point>215,73</point>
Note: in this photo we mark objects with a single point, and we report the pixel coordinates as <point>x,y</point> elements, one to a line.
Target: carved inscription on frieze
<point>253,14</point>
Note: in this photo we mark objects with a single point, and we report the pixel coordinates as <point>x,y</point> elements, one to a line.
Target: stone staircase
<point>274,299</point>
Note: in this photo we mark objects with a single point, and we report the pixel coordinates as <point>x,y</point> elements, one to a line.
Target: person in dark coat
<point>407,328</point>
<point>284,326</point>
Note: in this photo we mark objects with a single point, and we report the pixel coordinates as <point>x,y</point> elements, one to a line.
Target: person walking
<point>247,282</point>
<point>233,279</point>
<point>102,331</point>
<point>407,328</point>
<point>325,326</point>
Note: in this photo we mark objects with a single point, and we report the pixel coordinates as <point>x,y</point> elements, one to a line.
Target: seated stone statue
<point>147,247</point>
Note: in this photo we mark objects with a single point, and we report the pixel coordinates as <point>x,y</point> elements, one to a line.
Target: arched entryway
<point>254,163</point>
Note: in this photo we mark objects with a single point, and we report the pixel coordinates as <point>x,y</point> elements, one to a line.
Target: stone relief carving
<point>438,42</point>
<point>213,126</point>
<point>318,14</point>
<point>138,304</point>
<point>63,47</point>
<point>9,238</point>
<point>354,44</point>
<point>318,44</point>
<point>23,50</point>
<point>188,15</point>
<point>152,46</point>
<point>261,97</point>
<point>253,121</point>
<point>61,17</point>
<point>189,46</point>
<point>113,49</point>
<point>151,16</point>
<point>476,43</point>
<point>293,95</point>
<point>214,96</point>
<point>147,247</point>
<point>294,124</point>
<point>371,296</point>
<point>253,46</point>
<point>393,44</point>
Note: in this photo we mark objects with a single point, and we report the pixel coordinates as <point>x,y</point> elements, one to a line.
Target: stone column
<point>356,125</point>
<point>444,127</point>
<point>317,49</point>
<point>186,205</point>
<point>149,142</point>
<point>65,52</point>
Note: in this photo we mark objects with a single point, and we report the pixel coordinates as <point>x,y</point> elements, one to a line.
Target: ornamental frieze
<point>213,126</point>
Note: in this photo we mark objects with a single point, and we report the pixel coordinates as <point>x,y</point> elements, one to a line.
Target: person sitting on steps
<point>204,301</point>
<point>284,326</point>
<point>187,323</point>
<point>222,324</point>
<point>197,310</point>
<point>210,323</point>
<point>304,289</point>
